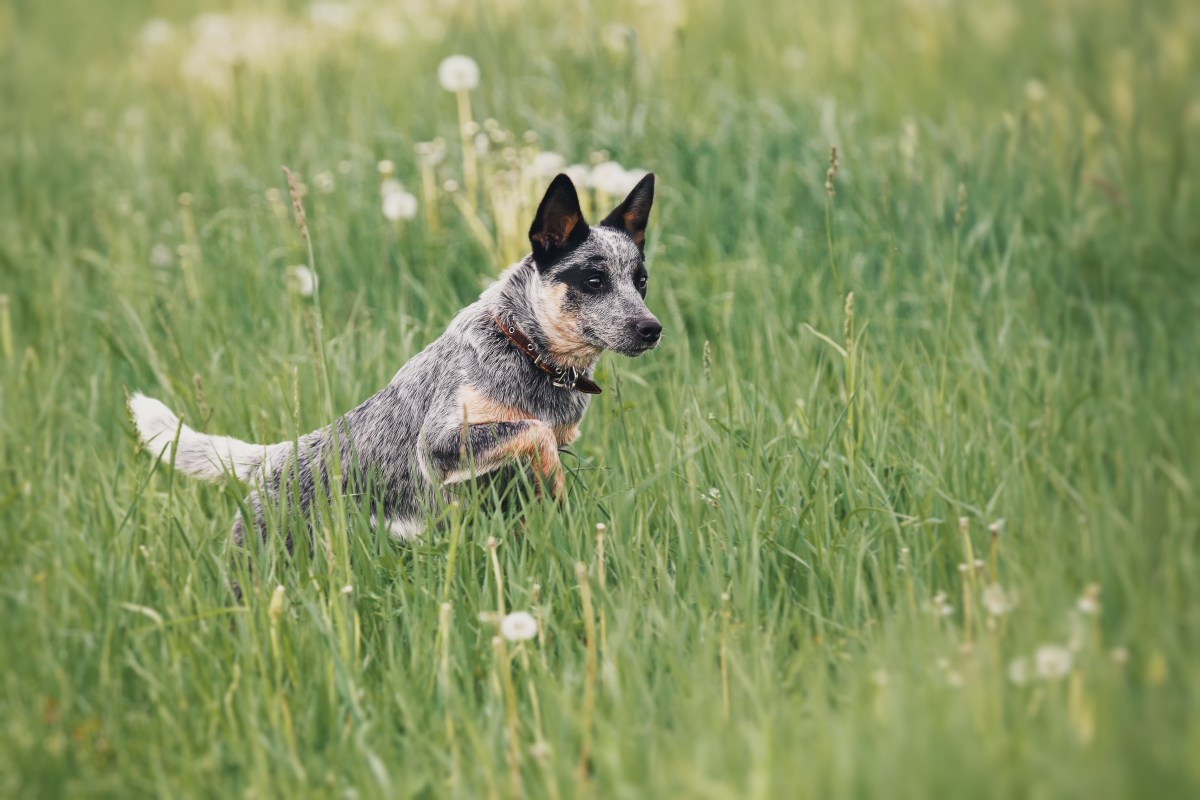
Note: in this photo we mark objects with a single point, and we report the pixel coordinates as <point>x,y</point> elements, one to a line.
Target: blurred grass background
<point>790,484</point>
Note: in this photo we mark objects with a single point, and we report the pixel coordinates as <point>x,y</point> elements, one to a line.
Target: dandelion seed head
<point>458,73</point>
<point>386,168</point>
<point>519,626</point>
<point>336,16</point>
<point>1018,671</point>
<point>160,256</point>
<point>1089,602</point>
<point>547,164</point>
<point>156,33</point>
<point>997,600</point>
<point>324,182</point>
<point>347,590</point>
<point>430,154</point>
<point>580,174</point>
<point>398,203</point>
<point>610,178</point>
<point>1052,662</point>
<point>302,279</point>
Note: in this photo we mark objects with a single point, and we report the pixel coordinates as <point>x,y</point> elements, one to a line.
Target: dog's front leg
<point>483,447</point>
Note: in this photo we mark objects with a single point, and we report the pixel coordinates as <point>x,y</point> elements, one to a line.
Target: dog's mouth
<point>635,350</point>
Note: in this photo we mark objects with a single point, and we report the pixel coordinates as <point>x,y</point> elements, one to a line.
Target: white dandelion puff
<point>458,74</point>
<point>1052,662</point>
<point>336,16</point>
<point>519,626</point>
<point>303,280</point>
<point>431,153</point>
<point>324,182</point>
<point>997,600</point>
<point>156,33</point>
<point>386,168</point>
<point>580,174</point>
<point>548,164</point>
<point>614,180</point>
<point>398,203</point>
<point>1018,671</point>
<point>1089,602</point>
<point>160,256</point>
<point>939,607</point>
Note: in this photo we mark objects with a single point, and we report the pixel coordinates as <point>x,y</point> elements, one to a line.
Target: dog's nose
<point>649,329</point>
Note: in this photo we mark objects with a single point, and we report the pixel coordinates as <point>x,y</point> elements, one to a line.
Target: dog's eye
<point>595,282</point>
<point>642,281</point>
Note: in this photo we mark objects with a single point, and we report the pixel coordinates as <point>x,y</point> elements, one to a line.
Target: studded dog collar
<point>562,377</point>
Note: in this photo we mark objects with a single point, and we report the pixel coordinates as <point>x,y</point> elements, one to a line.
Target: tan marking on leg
<point>479,409</point>
<point>563,330</point>
<point>565,434</point>
<point>538,444</point>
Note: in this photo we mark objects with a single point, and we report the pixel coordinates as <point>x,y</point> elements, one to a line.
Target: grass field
<point>940,540</point>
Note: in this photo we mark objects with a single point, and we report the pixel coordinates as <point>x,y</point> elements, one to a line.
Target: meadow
<point>905,505</point>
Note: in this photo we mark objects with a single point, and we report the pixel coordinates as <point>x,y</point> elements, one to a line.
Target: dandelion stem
<point>589,686</point>
<point>470,170</point>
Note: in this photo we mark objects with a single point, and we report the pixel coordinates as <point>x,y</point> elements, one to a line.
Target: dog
<point>508,383</point>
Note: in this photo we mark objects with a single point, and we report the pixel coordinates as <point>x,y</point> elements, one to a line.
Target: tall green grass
<point>787,484</point>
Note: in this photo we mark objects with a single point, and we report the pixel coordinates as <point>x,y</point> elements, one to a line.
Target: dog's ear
<point>559,225</point>
<point>633,213</point>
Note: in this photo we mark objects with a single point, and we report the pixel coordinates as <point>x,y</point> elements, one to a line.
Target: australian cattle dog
<point>507,383</point>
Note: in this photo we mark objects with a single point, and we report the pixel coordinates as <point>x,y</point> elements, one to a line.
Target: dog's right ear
<point>559,225</point>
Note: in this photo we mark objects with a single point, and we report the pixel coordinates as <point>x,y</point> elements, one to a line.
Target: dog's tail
<point>198,454</point>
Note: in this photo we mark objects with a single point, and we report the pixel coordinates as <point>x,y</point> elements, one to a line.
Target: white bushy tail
<point>199,455</point>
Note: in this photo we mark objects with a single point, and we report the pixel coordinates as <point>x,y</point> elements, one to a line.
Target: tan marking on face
<point>479,409</point>
<point>564,330</point>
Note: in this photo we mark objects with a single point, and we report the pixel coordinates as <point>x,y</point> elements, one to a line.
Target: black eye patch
<point>578,274</point>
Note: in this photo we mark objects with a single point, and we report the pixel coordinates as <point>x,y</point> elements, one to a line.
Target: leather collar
<point>562,377</point>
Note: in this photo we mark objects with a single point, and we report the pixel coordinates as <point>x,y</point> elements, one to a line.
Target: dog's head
<point>592,279</point>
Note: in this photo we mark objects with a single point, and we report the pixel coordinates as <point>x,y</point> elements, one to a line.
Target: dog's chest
<point>562,410</point>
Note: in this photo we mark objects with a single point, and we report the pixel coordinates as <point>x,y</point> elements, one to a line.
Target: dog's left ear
<point>633,213</point>
<point>559,224</point>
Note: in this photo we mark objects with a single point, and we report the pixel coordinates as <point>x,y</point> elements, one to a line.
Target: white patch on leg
<point>404,530</point>
<point>460,475</point>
